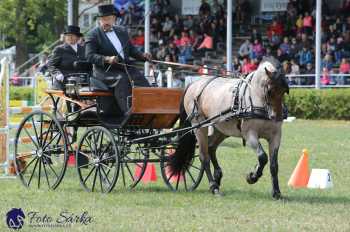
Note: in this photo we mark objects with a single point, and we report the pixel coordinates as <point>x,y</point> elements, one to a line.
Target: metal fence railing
<point>330,80</point>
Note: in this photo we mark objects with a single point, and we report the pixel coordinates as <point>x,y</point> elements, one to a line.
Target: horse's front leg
<point>202,138</point>
<point>273,152</point>
<point>214,141</point>
<point>253,142</point>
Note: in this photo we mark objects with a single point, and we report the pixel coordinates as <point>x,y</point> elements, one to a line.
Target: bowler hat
<point>73,30</point>
<point>106,10</point>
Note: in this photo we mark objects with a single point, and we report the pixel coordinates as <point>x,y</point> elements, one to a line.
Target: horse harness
<point>239,108</point>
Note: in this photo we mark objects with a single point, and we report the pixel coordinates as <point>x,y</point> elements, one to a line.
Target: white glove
<point>59,77</point>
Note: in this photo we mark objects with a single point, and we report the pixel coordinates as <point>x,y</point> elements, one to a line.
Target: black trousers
<point>121,102</point>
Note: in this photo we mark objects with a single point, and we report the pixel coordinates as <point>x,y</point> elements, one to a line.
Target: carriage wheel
<point>188,180</point>
<point>40,150</point>
<point>97,160</point>
<point>133,165</point>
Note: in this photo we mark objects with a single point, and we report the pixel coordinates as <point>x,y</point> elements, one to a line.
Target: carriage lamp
<point>72,86</point>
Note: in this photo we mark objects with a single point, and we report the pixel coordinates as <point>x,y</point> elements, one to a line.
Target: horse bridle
<point>239,107</point>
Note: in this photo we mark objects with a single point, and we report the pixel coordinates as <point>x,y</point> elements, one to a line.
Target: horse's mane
<point>271,63</point>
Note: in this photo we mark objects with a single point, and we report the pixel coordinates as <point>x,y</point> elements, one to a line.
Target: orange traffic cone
<point>150,174</point>
<point>71,160</point>
<point>300,176</point>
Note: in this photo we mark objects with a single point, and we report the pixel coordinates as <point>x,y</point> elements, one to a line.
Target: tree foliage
<point>31,24</point>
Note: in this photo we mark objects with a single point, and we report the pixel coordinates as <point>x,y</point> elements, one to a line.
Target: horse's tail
<point>186,146</point>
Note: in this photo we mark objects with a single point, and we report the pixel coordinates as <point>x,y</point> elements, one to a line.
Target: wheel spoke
<point>47,178</point>
<point>190,175</point>
<point>195,167</point>
<point>53,170</point>
<point>94,152</point>
<point>95,145</point>
<point>47,134</point>
<point>109,144</point>
<point>92,169</point>
<point>106,166</point>
<point>54,149</point>
<point>93,184</point>
<point>28,134</point>
<point>52,139</point>
<point>123,175</point>
<point>35,131</point>
<point>99,174</point>
<point>85,165</point>
<point>101,140</point>
<point>171,175</point>
<point>185,183</point>
<point>177,181</point>
<point>31,176</point>
<point>41,128</point>
<point>39,176</point>
<point>89,147</point>
<point>132,176</point>
<point>106,176</point>
<point>25,168</point>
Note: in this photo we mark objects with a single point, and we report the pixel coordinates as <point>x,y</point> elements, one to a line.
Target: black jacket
<point>98,46</point>
<point>62,59</point>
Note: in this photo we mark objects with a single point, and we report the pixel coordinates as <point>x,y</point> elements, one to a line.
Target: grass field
<point>243,208</point>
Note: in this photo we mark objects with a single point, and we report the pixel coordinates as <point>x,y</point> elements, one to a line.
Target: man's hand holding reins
<point>111,60</point>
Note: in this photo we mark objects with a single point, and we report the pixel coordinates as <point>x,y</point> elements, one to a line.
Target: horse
<point>251,108</point>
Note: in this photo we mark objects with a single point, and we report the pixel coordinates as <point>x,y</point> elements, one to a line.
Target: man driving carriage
<point>108,48</point>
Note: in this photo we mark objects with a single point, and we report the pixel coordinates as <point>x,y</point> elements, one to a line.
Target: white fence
<point>309,80</point>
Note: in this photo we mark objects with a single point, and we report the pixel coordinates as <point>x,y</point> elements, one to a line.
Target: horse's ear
<point>268,73</point>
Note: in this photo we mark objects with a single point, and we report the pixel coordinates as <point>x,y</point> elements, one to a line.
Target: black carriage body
<point>121,147</point>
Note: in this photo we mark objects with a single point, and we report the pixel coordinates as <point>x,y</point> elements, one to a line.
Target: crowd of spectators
<point>290,37</point>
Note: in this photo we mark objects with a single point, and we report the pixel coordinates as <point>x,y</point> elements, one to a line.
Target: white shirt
<point>116,42</point>
<point>75,47</point>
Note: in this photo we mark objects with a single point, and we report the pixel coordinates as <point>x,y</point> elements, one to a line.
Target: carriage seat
<point>95,86</point>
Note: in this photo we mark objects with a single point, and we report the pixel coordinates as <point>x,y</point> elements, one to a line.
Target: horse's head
<point>275,86</point>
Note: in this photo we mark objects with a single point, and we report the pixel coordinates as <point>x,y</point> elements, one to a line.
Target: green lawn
<point>244,207</point>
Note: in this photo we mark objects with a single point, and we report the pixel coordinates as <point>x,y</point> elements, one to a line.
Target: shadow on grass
<point>318,199</point>
<point>308,199</point>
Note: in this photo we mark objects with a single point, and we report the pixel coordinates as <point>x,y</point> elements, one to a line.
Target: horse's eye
<point>269,92</point>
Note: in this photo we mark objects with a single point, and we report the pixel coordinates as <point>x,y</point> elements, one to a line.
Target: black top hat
<point>73,30</point>
<point>106,10</point>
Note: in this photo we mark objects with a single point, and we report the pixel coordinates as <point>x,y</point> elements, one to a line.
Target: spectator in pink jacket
<point>257,50</point>
<point>206,45</point>
<point>344,68</point>
<point>307,23</point>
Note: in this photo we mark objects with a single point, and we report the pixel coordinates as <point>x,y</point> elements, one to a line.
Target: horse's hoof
<point>251,178</point>
<point>217,193</point>
<point>277,195</point>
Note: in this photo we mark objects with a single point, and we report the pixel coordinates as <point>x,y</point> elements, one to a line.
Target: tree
<point>31,25</point>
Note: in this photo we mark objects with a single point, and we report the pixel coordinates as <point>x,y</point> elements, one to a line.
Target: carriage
<point>118,150</point>
<point>107,151</point>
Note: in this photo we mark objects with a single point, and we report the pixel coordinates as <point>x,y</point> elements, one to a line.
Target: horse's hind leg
<point>254,143</point>
<point>202,138</point>
<point>214,142</point>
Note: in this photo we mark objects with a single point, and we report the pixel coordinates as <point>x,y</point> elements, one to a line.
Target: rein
<point>240,108</point>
